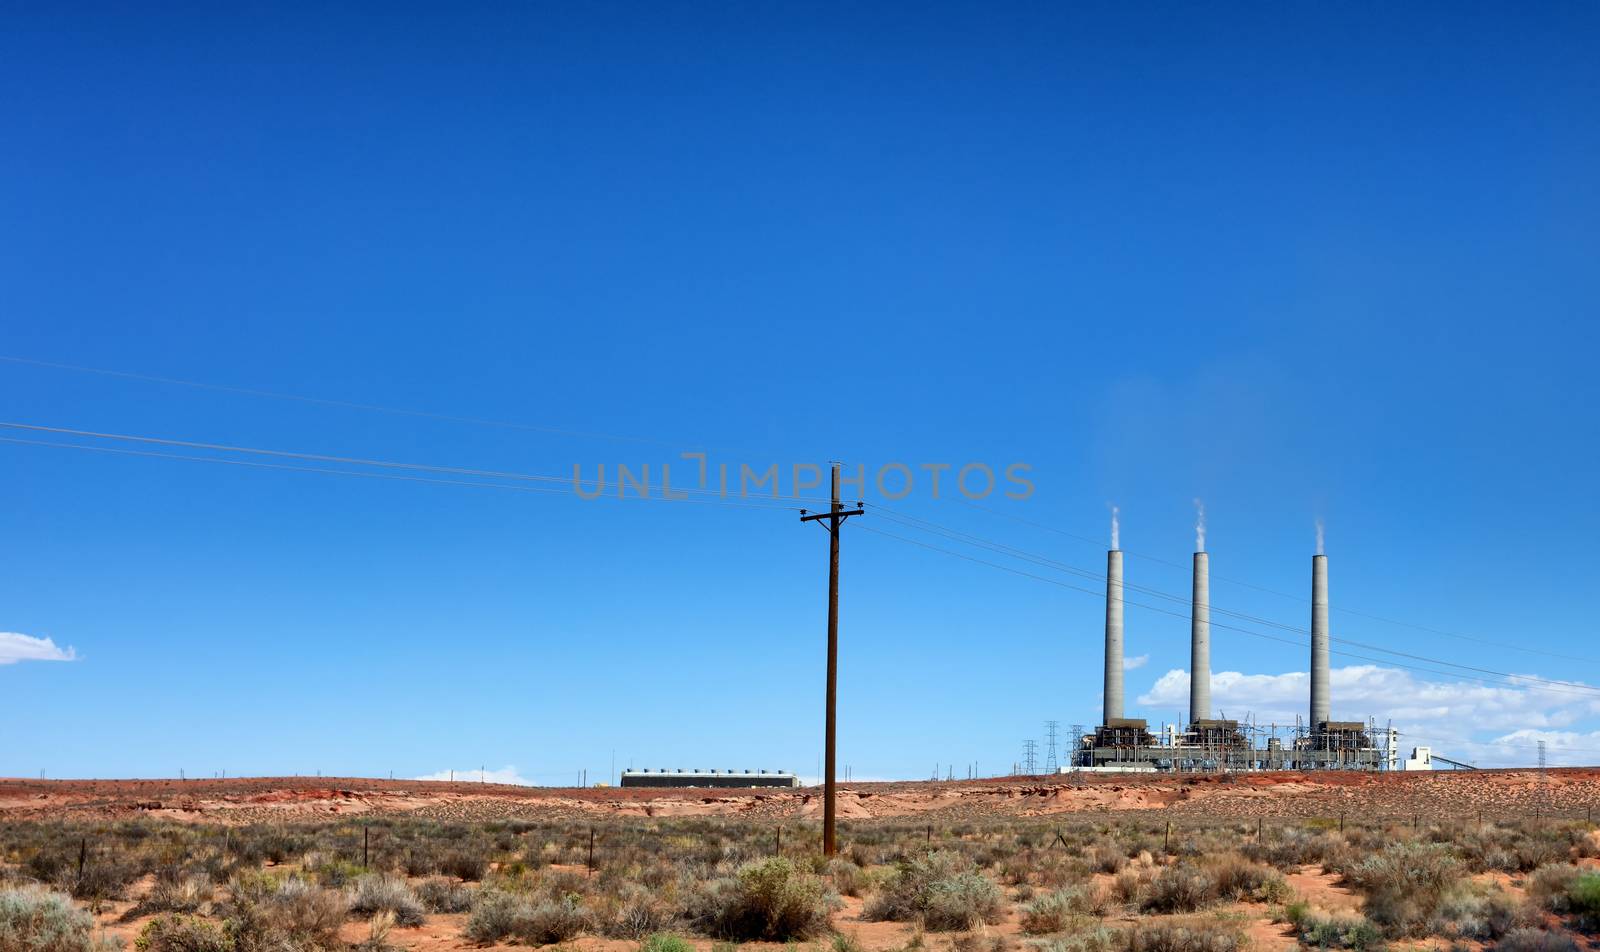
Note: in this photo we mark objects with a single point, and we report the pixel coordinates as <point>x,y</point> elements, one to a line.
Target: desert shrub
<point>1549,886</point>
<point>444,896</point>
<point>1186,937</point>
<point>1405,884</point>
<point>1097,939</point>
<point>104,877</point>
<point>1180,887</point>
<point>942,889</point>
<point>1052,912</point>
<point>378,928</point>
<point>770,900</point>
<point>420,860</point>
<point>496,915</point>
<point>639,914</point>
<point>963,901</point>
<point>47,865</point>
<point>380,892</point>
<point>1235,878</point>
<point>467,866</point>
<point>554,920</point>
<point>187,894</point>
<point>1468,911</point>
<point>1535,940</point>
<point>174,933</point>
<point>846,877</point>
<point>1341,932</point>
<point>1129,887</point>
<point>302,910</point>
<point>666,942</point>
<point>1292,848</point>
<point>1583,898</point>
<point>1109,857</point>
<point>1530,854</point>
<point>34,919</point>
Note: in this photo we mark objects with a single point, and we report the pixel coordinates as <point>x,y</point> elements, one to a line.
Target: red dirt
<point>1495,793</point>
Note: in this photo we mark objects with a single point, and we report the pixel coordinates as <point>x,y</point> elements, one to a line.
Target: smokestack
<point>1113,690</point>
<point>1319,640</point>
<point>1200,641</point>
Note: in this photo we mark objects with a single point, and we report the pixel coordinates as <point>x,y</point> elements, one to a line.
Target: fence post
<point>591,851</point>
<point>777,844</point>
<point>83,857</point>
<point>1341,822</point>
<point>930,835</point>
<point>365,845</point>
<point>1166,844</point>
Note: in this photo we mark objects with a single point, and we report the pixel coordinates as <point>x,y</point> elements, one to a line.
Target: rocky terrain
<point>1505,794</point>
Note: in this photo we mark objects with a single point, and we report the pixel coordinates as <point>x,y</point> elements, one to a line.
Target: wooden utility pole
<point>833,519</point>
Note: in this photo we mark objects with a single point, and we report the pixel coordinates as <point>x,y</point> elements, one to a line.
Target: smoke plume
<point>1319,538</point>
<point>1115,535</point>
<point>1200,526</point>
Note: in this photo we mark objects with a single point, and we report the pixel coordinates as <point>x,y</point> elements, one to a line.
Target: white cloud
<point>1129,664</point>
<point>1483,724</point>
<point>15,647</point>
<point>506,774</point>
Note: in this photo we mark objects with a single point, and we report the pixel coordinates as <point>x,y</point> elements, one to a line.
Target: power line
<point>1292,597</point>
<point>256,464</point>
<point>1586,691</point>
<point>345,404</point>
<point>956,535</point>
<point>347,460</point>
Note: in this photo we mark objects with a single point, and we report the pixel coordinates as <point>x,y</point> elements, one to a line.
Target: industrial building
<point>708,778</point>
<point>1123,743</point>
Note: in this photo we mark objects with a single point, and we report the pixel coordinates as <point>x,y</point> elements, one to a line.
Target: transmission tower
<point>1051,730</point>
<point>1030,757</point>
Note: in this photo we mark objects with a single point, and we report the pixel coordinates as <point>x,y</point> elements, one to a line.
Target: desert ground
<point>1508,794</point>
<point>1199,863</point>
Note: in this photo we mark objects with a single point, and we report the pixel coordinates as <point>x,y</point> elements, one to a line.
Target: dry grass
<point>1068,881</point>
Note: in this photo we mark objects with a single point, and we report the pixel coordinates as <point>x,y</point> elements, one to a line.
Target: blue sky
<point>1299,262</point>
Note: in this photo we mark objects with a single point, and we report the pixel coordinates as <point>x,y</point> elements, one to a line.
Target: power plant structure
<point>708,778</point>
<point>1207,743</point>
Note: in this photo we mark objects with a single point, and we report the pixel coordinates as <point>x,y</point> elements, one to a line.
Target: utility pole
<point>833,518</point>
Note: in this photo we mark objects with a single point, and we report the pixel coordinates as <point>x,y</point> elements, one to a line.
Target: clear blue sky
<point>1295,260</point>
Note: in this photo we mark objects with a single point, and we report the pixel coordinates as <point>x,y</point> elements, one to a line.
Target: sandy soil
<point>1494,793</point>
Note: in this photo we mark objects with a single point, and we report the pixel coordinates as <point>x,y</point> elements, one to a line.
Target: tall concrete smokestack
<point>1113,636</point>
<point>1319,640</point>
<point>1200,641</point>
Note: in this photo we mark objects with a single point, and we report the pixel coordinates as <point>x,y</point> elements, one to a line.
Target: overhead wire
<point>343,404</point>
<point>379,408</point>
<point>257,464</point>
<point>1553,687</point>
<point>967,538</point>
<point>1341,609</point>
<point>351,460</point>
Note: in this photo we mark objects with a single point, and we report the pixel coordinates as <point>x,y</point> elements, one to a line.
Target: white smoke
<point>1115,534</point>
<point>1200,526</point>
<point>1319,538</point>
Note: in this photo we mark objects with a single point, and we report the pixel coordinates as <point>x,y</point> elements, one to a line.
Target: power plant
<point>708,778</point>
<point>1126,744</point>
